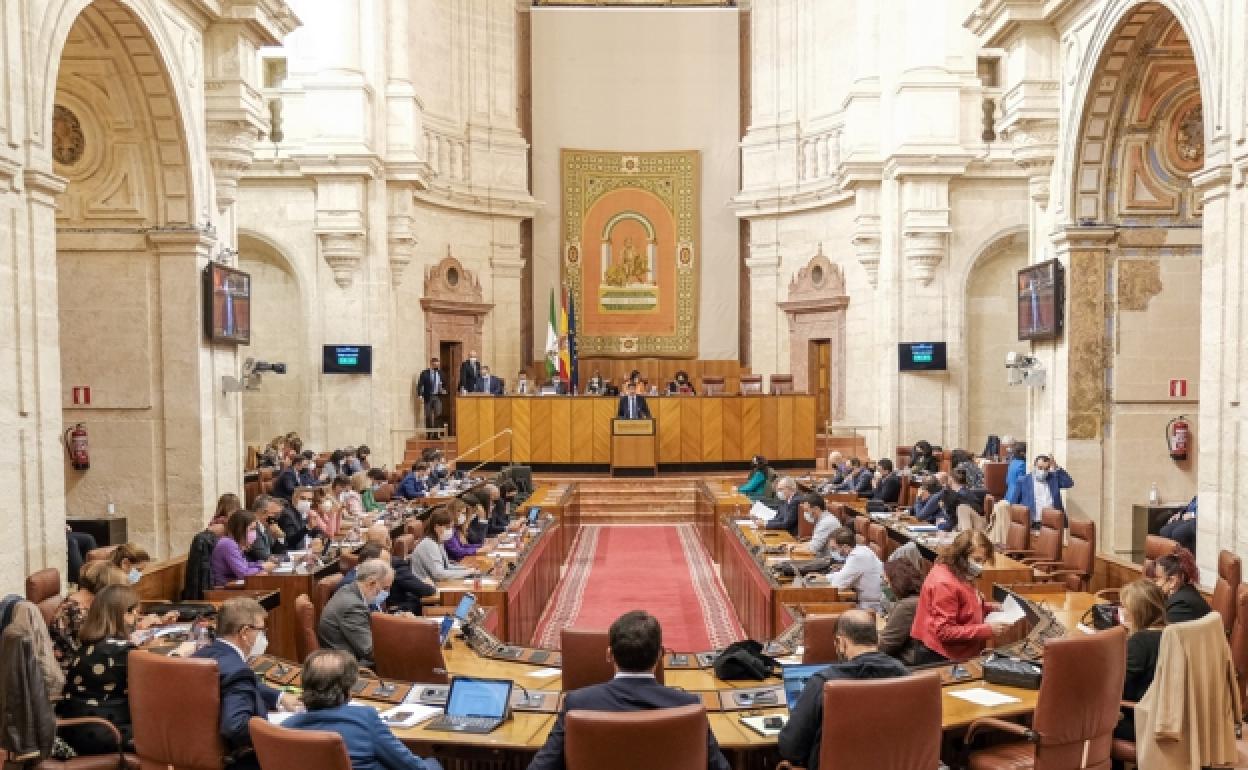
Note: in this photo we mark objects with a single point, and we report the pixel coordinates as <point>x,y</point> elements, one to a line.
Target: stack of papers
<point>1010,613</point>
<point>982,696</point>
<point>760,511</point>
<point>745,523</point>
<point>921,527</point>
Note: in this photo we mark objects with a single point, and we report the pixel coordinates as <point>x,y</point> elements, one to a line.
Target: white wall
<point>641,80</point>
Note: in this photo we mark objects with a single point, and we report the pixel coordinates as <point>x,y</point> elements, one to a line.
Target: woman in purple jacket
<point>228,562</point>
<point>458,546</point>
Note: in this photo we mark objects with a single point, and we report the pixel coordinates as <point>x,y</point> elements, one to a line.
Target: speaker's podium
<point>632,448</point>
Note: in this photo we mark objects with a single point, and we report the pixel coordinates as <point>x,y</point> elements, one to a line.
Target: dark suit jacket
<point>344,624</point>
<point>1186,604</point>
<point>296,529</point>
<point>286,484</point>
<point>889,490</point>
<point>643,411</point>
<point>497,386</point>
<point>265,546</point>
<point>370,743</point>
<point>424,385</point>
<point>500,517</point>
<point>786,516</point>
<point>243,695</point>
<point>627,694</point>
<point>469,374</point>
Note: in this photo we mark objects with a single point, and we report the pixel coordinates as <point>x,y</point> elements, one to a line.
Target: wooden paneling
<point>659,371</point>
<point>583,430</point>
<point>690,430</point>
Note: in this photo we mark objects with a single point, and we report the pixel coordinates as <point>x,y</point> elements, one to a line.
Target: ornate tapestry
<point>630,251</point>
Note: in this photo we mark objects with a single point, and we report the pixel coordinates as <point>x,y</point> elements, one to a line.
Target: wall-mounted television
<point>921,356</point>
<point>1040,297</point>
<point>227,305</point>
<point>347,359</point>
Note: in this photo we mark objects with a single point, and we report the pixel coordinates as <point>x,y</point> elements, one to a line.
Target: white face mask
<point>974,568</point>
<point>260,645</point>
<point>303,506</point>
<point>461,519</point>
<point>1041,474</point>
<point>327,506</point>
<point>810,516</point>
<point>134,576</point>
<point>445,535</point>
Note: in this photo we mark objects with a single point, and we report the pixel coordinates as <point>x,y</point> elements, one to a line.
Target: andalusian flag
<point>552,340</point>
<point>565,360</point>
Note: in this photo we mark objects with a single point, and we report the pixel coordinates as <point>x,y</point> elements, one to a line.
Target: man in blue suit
<point>488,383</point>
<point>786,517</point>
<point>632,406</point>
<point>240,636</point>
<point>1042,488</point>
<point>636,642</point>
<point>328,676</point>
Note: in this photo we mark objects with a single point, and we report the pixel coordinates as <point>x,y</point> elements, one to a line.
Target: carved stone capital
<point>231,148</point>
<point>1034,146</point>
<point>343,251</point>
<point>924,250</point>
<point>866,242</point>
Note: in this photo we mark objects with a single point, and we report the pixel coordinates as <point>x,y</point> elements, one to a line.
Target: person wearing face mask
<point>344,623</point>
<point>326,681</point>
<point>862,571</point>
<point>303,523</point>
<point>859,658</point>
<point>595,386</point>
<point>488,383</point>
<point>927,502</point>
<point>1143,614</point>
<point>1177,576</point>
<point>130,559</point>
<point>288,480</point>
<point>787,514</point>
<point>815,510</point>
<point>949,621</point>
<point>66,626</point>
<point>1042,488</point>
<point>349,501</point>
<point>901,598</point>
<point>241,636</point>
<point>429,560</point>
<point>376,477</point>
<point>96,679</point>
<point>270,539</point>
<point>502,499</point>
<point>887,484</point>
<point>470,373</point>
<point>459,547</point>
<point>228,560</point>
<point>414,485</point>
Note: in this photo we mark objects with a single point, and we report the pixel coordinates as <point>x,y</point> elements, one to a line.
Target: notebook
<point>795,679</point>
<point>474,705</point>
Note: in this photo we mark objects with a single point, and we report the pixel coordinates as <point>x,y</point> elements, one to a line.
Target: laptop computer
<point>466,603</point>
<point>795,677</point>
<point>474,705</point>
<point>534,513</point>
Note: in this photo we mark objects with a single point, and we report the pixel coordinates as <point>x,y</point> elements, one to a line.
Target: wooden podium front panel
<point>804,427</point>
<point>539,423</point>
<point>560,430</point>
<point>582,430</point>
<point>768,445</point>
<point>784,436</point>
<point>731,427</point>
<point>667,412</point>
<point>632,452</point>
<point>751,420</point>
<point>604,412</point>
<point>712,423</point>
<point>521,429</point>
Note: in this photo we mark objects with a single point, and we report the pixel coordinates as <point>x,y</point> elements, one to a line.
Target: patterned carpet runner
<point>664,570</point>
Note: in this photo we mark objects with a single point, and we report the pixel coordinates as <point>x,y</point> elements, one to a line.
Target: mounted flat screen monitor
<point>921,356</point>
<point>347,359</point>
<point>227,305</point>
<point>1040,297</point>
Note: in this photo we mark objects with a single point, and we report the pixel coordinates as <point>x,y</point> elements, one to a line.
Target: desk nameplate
<point>622,427</point>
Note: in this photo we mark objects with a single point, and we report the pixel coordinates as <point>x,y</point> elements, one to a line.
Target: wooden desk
<point>289,587</point>
<point>163,579</point>
<point>576,430</point>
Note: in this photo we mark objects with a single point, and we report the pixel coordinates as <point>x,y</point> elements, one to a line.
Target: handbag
<point>744,660</point>
<point>1000,669</point>
<point>1101,616</point>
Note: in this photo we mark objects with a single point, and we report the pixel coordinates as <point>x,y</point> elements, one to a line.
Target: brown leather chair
<point>1226,589</point>
<point>43,589</point>
<point>305,635</point>
<point>862,526</point>
<point>1079,560</point>
<point>805,529</point>
<point>1156,546</point>
<point>845,745</point>
<point>1076,708</point>
<point>407,649</point>
<point>751,385</point>
<point>415,528</point>
<point>347,561</point>
<point>994,479</point>
<point>819,638</point>
<point>712,386</point>
<point>175,704</point>
<point>1239,642</point>
<point>384,493</point>
<point>403,546</point>
<point>100,554</point>
<point>781,384</point>
<point>1047,543</point>
<point>280,748</point>
<point>656,739</point>
<point>584,658</point>
<point>325,588</point>
<point>877,535</point>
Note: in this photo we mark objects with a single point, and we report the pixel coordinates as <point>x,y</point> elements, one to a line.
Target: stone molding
<point>343,251</point>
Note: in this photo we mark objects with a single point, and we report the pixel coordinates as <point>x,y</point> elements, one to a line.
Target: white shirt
<point>633,675</point>
<point>863,573</point>
<point>1044,499</point>
<point>825,525</point>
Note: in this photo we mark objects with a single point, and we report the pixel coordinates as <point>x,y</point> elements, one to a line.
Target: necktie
<point>632,407</point>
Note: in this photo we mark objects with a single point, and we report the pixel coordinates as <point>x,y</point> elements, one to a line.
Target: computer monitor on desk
<point>795,677</point>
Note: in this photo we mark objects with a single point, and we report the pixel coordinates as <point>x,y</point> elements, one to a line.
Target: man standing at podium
<point>633,406</point>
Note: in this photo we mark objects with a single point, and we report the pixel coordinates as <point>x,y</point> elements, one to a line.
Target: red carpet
<point>661,569</point>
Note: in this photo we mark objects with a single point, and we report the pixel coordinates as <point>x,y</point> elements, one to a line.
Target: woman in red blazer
<point>949,622</point>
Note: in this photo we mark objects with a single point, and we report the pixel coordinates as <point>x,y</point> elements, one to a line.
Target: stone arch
<point>143,31</point>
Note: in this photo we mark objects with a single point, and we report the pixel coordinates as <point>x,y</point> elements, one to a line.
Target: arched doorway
<point>992,406</point>
<point>1134,272</point>
<point>278,334</point>
<point>130,244</point>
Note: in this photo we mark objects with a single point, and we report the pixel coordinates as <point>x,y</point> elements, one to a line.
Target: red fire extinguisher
<point>76,447</point>
<point>1178,437</point>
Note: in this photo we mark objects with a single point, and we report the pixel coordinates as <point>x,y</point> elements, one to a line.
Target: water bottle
<point>1154,497</point>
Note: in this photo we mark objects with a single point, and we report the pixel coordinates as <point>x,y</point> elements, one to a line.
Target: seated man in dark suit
<point>857,643</point>
<point>857,479</point>
<point>288,480</point>
<point>344,623</point>
<point>328,676</point>
<point>240,636</point>
<point>270,537</point>
<point>488,383</point>
<point>636,642</point>
<point>888,488</point>
<point>786,517</point>
<point>632,406</point>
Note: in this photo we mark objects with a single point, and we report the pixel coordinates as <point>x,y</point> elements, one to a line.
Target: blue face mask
<point>382,595</point>
<point>134,576</point>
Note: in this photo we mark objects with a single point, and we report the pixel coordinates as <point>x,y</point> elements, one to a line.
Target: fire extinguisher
<point>76,447</point>
<point>1178,437</point>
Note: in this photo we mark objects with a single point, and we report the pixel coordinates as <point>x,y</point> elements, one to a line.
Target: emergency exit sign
<point>1178,388</point>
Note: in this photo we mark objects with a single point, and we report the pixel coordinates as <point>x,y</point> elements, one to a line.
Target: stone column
<point>404,113</point>
<point>201,425</point>
<point>505,268</point>
<point>768,330</point>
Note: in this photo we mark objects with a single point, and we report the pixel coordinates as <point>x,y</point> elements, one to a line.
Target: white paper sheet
<point>745,523</point>
<point>760,511</point>
<point>277,717</point>
<point>408,715</point>
<point>982,696</point>
<point>544,673</point>
<point>1009,613</point>
<point>485,582</point>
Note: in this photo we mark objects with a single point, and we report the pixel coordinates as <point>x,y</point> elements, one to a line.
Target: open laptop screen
<point>444,633</point>
<point>465,606</point>
<point>534,512</point>
<point>795,679</point>
<point>472,697</point>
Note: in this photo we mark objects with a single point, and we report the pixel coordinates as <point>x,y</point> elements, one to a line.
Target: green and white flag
<point>552,340</point>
